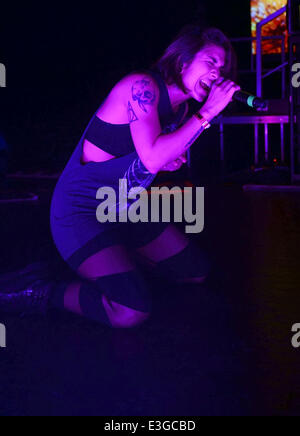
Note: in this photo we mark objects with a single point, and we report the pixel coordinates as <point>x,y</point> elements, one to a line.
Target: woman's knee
<point>123,317</point>
<point>130,319</point>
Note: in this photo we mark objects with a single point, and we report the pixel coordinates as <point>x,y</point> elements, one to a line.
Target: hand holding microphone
<point>222,93</point>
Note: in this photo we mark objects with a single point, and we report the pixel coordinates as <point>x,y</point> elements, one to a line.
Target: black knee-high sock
<point>89,299</point>
<point>190,263</point>
<point>58,294</point>
<point>127,289</point>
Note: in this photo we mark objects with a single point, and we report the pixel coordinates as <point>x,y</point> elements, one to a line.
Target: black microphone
<point>251,100</point>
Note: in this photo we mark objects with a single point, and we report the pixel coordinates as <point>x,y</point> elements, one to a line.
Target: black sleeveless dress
<point>75,229</point>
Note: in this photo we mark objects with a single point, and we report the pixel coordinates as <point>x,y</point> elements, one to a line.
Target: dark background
<point>222,350</point>
<point>62,60</point>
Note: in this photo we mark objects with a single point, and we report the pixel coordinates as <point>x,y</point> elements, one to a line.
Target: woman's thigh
<point>168,243</point>
<point>172,254</point>
<point>109,261</point>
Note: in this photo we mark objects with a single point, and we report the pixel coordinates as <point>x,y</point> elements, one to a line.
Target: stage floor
<point>223,349</point>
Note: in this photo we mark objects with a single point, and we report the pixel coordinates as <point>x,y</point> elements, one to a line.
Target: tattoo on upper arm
<point>143,92</point>
<point>131,114</point>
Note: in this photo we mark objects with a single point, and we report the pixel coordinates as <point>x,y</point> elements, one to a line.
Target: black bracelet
<point>205,124</point>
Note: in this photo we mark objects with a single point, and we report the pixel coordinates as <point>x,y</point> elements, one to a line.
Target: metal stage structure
<point>280,112</point>
<point>294,58</point>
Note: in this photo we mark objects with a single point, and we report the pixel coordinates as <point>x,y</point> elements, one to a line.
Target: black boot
<point>19,279</point>
<point>27,291</point>
<point>32,300</point>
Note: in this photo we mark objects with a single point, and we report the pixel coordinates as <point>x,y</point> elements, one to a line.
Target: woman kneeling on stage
<point>140,130</point>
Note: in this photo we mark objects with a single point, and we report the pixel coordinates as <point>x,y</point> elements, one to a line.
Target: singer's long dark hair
<point>186,45</point>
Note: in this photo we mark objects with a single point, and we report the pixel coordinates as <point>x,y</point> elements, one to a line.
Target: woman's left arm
<point>178,163</point>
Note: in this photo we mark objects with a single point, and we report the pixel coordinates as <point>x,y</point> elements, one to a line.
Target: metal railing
<point>259,53</point>
<point>268,73</point>
<point>256,121</point>
<point>261,74</point>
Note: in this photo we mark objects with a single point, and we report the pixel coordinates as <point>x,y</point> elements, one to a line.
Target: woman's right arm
<point>154,148</point>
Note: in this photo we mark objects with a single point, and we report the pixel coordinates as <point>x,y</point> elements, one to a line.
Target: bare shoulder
<point>141,88</point>
<point>135,89</point>
<point>134,80</point>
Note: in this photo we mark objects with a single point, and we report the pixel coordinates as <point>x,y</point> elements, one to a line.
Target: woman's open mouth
<point>204,86</point>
